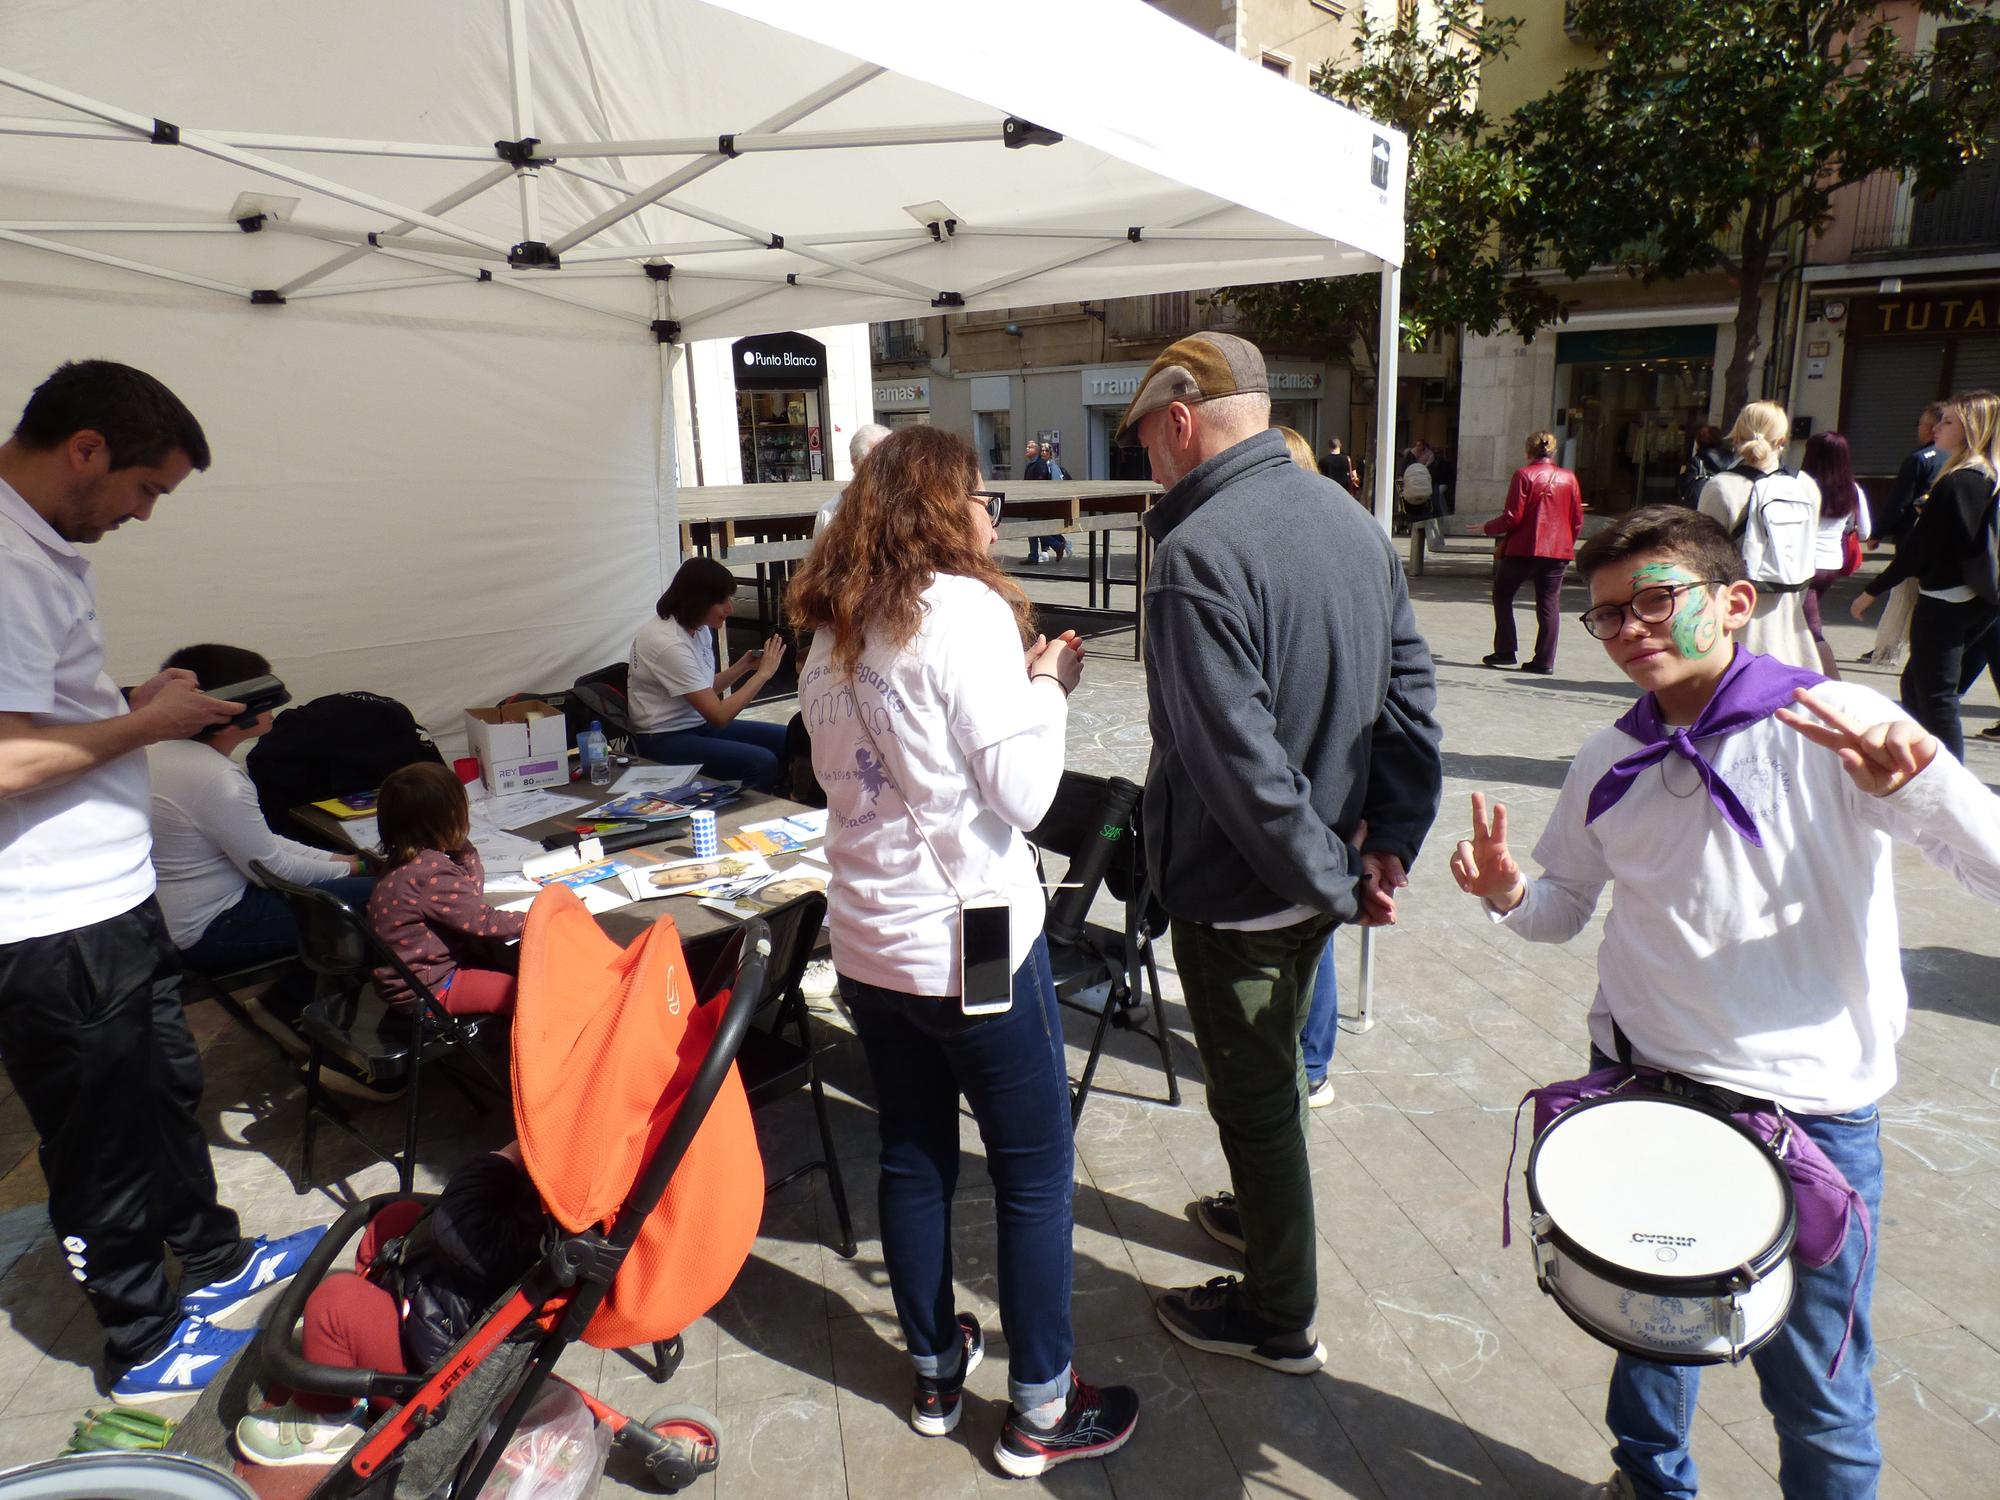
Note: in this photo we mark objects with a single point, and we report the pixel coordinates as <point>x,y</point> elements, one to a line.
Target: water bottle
<point>590,749</point>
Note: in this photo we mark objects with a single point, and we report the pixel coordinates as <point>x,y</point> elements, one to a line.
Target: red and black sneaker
<point>1095,1423</point>
<point>935,1410</point>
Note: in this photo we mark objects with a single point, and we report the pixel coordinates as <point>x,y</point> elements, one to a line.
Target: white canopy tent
<point>440,374</point>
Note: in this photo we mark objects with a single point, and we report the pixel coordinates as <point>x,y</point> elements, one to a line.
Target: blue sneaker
<point>197,1353</point>
<point>271,1261</point>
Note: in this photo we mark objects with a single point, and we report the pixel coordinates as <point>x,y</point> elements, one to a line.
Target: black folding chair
<point>1094,823</point>
<point>772,1063</point>
<point>384,1046</point>
<point>222,989</point>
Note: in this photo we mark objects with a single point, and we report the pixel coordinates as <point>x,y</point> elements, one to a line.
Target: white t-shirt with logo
<point>78,852</point>
<point>976,747</point>
<point>669,662</point>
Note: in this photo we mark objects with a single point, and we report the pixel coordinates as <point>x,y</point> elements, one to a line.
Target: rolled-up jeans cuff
<point>1028,1394</point>
<point>945,1366</point>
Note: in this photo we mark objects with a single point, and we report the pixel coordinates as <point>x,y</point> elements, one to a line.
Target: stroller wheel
<point>688,1444</point>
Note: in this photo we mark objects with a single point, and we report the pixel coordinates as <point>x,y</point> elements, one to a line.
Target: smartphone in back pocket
<point>985,951</point>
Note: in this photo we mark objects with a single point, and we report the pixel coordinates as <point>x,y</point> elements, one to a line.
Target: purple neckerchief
<point>1752,689</point>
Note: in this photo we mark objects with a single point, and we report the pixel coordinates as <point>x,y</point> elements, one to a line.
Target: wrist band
<point>1050,677</point>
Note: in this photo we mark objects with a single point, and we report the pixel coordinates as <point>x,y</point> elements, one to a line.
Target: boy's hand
<point>1880,759</point>
<point>1482,864</point>
<point>1382,875</point>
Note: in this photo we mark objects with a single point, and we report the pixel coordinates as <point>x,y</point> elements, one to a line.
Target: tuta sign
<point>778,361</point>
<point>1953,310</point>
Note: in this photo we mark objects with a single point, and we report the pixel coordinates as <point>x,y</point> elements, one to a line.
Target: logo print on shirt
<point>874,775</point>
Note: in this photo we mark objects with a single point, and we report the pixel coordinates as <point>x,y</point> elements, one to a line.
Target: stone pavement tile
<point>39,1435</point>
<point>1954,1047</point>
<point>773,1327</point>
<point>66,1378</point>
<point>1491,1381</point>
<point>1176,1450</point>
<point>1277,1431</point>
<point>1474,1139</point>
<point>1960,1278</point>
<point>1165,1246</point>
<point>787,1446</point>
<point>1487,1078</point>
<point>1401,1074</point>
<point>1899,1312</point>
<point>35,1313</point>
<point>1412,1441</point>
<point>1727,1468</point>
<point>1463,1225</point>
<point>1108,1300</point>
<point>1952,1365</point>
<point>1374,1240</point>
<point>881,1453</point>
<point>1508,1290</point>
<point>1387,1143</point>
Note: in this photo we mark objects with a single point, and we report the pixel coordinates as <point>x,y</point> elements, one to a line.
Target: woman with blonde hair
<point>1952,554</point>
<point>1778,627</point>
<point>938,743</point>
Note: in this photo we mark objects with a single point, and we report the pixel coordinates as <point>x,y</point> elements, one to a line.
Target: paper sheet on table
<point>642,882</point>
<point>502,853</point>
<point>654,779</point>
<point>788,885</point>
<point>517,809</point>
<point>364,833</point>
<point>606,895</point>
<point>499,885</point>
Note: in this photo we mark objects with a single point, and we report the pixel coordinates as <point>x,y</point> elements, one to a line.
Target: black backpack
<point>344,742</point>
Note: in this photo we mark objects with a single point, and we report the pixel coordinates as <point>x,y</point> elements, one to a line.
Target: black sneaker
<point>1539,671</point>
<point>1213,1317</point>
<point>1990,732</point>
<point>1094,1424</point>
<point>1497,660</point>
<point>935,1410</point>
<point>1219,1215</point>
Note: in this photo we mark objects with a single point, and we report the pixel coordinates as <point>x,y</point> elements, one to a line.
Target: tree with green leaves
<point>1714,133</point>
<point>1469,192</point>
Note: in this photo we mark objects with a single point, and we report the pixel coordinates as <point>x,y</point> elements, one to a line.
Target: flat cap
<point>1200,367</point>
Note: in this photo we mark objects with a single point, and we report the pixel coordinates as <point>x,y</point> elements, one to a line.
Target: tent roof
<point>856,126</point>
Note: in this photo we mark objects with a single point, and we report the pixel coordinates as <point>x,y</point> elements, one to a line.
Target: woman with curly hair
<point>938,742</point>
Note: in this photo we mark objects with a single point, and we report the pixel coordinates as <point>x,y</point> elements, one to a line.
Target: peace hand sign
<point>1879,759</point>
<point>1482,864</point>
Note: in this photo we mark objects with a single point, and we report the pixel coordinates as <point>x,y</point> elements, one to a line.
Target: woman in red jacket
<point>1538,533</point>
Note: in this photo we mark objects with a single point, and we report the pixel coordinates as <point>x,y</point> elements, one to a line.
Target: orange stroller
<point>635,1130</point>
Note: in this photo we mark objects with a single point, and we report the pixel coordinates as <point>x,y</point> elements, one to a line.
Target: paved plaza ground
<point>1449,1375</point>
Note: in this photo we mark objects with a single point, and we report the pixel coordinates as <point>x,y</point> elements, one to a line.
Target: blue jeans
<point>1055,544</point>
<point>1322,1015</point>
<point>259,929</point>
<point>923,1052</point>
<point>1827,1449</point>
<point>742,750</point>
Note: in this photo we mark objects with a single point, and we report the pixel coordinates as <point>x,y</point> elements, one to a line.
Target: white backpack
<point>1778,532</point>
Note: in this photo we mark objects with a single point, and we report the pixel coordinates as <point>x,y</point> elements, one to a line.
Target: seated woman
<point>208,830</point>
<point>683,710</point>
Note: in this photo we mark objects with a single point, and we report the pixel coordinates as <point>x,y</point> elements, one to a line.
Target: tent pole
<point>744,143</point>
<point>445,204</point>
<point>77,252</point>
<point>1077,257</point>
<point>524,117</point>
<point>1388,346</point>
<point>846,84</point>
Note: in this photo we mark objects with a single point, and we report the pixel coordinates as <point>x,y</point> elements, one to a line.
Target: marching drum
<point>1662,1228</point>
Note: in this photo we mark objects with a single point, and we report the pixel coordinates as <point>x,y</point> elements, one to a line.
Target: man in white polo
<point>91,1029</point>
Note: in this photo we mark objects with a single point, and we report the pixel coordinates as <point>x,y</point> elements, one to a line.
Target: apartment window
<point>1278,63</point>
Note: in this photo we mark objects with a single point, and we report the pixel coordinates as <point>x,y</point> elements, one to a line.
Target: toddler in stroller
<point>627,1213</point>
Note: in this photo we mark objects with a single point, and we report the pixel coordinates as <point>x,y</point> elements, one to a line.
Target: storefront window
<point>995,434</point>
<point>1626,429</point>
<point>777,429</point>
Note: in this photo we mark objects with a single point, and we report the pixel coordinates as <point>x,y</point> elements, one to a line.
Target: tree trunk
<point>1752,262</point>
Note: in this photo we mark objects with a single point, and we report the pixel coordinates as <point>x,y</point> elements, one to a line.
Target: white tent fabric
<point>444,470</point>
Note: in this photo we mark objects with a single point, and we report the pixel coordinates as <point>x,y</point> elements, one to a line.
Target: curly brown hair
<point>903,520</point>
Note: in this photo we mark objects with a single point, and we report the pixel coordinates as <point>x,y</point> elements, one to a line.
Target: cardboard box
<point>521,746</point>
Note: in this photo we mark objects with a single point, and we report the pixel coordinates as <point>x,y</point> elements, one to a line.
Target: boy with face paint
<point>1742,813</point>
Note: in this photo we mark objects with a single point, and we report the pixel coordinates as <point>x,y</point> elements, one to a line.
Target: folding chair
<point>1094,823</point>
<point>603,695</point>
<point>385,1046</point>
<point>774,1064</point>
<point>222,988</point>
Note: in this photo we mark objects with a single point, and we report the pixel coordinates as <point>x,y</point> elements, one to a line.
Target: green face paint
<point>1694,629</point>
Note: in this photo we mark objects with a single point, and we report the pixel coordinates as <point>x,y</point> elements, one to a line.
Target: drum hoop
<point>1719,1284</point>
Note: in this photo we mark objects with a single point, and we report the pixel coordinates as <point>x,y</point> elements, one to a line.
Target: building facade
<point>1063,373</point>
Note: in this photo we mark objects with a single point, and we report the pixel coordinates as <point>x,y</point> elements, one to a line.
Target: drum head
<point>120,1476</point>
<point>1659,1187</point>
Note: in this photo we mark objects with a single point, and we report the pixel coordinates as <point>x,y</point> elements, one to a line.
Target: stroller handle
<point>281,1364</point>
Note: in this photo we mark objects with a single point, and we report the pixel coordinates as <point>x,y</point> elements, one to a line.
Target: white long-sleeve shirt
<point>1774,971</point>
<point>207,828</point>
<point>977,748</point>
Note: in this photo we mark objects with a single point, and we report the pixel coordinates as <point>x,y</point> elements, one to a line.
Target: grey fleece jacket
<point>1287,689</point>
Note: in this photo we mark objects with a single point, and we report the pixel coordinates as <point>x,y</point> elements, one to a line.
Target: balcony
<point>1891,220</point>
<point>902,339</point>
<point>1164,317</point>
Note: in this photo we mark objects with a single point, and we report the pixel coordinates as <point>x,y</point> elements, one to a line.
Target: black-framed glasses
<point>991,499</point>
<point>1650,606</point>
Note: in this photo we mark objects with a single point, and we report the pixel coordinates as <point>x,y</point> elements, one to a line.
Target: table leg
<point>1090,569</point>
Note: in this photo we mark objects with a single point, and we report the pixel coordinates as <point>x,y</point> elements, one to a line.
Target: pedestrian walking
<point>1538,531</point>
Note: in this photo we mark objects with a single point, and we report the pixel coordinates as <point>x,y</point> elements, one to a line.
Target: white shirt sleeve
<point>1010,730</point>
<point>30,605</point>
<point>1864,521</point>
<point>672,658</point>
<point>1574,870</point>
<point>227,812</point>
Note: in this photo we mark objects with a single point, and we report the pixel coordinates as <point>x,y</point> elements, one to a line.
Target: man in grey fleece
<point>1295,772</point>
